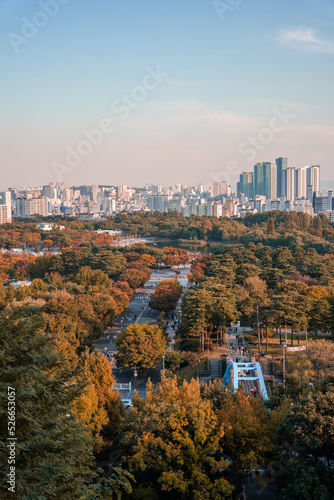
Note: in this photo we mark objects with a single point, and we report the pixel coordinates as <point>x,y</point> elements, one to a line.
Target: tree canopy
<point>140,345</point>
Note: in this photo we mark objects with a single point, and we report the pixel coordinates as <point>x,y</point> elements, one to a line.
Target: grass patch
<point>190,371</point>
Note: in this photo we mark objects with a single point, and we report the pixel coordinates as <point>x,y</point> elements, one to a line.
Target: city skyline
<point>206,84</point>
<point>271,186</point>
<point>248,176</point>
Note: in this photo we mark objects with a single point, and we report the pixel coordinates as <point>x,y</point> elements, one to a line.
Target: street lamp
<point>311,385</point>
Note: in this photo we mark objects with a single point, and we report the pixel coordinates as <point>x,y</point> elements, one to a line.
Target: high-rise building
<point>220,188</point>
<point>32,206</point>
<point>282,165</point>
<point>324,203</point>
<point>265,179</point>
<point>290,183</point>
<point>313,178</point>
<point>49,191</point>
<point>217,210</point>
<point>270,179</point>
<point>158,202</point>
<point>5,207</point>
<point>93,192</point>
<point>258,179</point>
<point>67,195</point>
<point>301,184</point>
<point>108,204</point>
<point>246,184</point>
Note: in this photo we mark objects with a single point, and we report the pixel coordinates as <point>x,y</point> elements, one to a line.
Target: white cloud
<point>303,38</point>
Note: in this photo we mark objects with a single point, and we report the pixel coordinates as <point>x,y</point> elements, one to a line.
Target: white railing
<point>122,387</point>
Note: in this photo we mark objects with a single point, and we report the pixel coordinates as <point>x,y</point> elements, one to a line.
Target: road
<point>139,312</point>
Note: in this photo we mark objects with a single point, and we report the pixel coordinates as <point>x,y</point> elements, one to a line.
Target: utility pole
<point>258,327</point>
<point>292,330</point>
<point>163,365</point>
<point>284,346</point>
<point>286,333</point>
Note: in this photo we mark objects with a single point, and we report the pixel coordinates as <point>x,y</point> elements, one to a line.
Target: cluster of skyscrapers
<point>276,180</point>
<point>271,186</point>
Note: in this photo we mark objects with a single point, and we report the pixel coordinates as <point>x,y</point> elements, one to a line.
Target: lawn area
<point>274,346</point>
<point>190,371</point>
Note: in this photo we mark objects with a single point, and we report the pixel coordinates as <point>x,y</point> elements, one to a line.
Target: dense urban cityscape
<point>272,186</point>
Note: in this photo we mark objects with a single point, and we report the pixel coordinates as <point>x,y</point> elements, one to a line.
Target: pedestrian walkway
<point>232,342</point>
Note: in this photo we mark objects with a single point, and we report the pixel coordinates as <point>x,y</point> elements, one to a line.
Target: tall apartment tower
<point>313,178</point>
<point>265,179</point>
<point>220,188</point>
<point>32,206</point>
<point>246,184</point>
<point>258,179</point>
<point>49,191</point>
<point>301,182</point>
<point>5,207</point>
<point>93,192</point>
<point>270,180</point>
<point>290,183</point>
<point>282,165</point>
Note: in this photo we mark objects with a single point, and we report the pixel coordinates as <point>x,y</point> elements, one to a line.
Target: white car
<point>127,402</point>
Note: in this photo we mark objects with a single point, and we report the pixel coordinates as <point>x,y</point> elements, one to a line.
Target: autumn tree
<point>93,280</point>
<point>171,439</point>
<point>247,440</point>
<point>99,405</point>
<point>135,277</point>
<point>141,345</point>
<point>173,360</point>
<point>313,366</point>
<point>147,260</point>
<point>166,295</point>
<point>48,243</point>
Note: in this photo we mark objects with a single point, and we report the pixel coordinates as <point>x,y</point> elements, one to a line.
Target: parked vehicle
<point>127,402</point>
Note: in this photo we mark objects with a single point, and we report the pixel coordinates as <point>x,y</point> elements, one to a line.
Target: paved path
<point>139,312</point>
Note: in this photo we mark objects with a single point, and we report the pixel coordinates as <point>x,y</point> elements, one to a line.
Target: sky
<point>187,91</point>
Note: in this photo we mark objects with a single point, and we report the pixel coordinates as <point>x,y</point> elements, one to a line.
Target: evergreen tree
<point>53,451</point>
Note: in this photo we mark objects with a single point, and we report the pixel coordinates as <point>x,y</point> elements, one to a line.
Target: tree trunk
<point>267,338</point>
